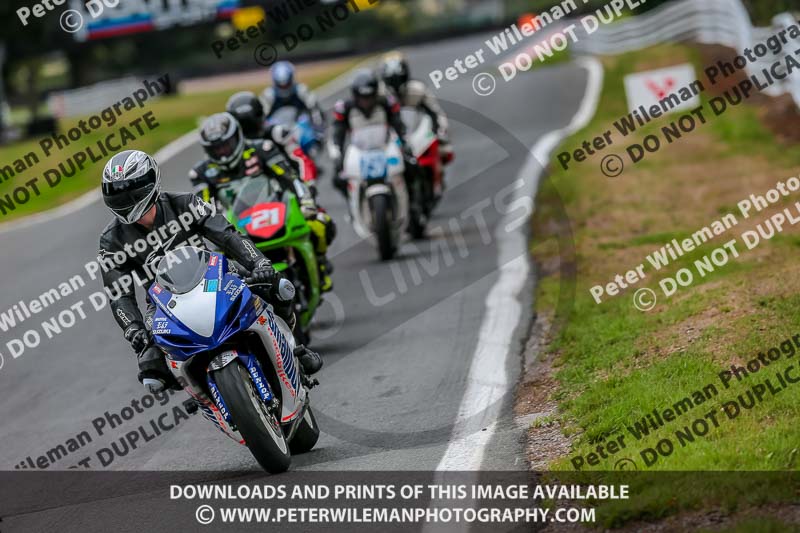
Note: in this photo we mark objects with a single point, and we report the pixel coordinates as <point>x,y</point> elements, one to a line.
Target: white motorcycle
<point>377,194</point>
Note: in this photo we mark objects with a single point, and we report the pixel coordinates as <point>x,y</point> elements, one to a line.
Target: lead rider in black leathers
<point>131,190</point>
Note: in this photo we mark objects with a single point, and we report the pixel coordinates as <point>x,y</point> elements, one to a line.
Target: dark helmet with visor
<point>365,90</point>
<point>394,71</point>
<point>246,108</point>
<point>131,185</point>
<point>222,139</point>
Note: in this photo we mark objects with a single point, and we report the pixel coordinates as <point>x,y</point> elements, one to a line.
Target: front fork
<point>262,386</point>
<point>256,375</point>
<point>260,381</point>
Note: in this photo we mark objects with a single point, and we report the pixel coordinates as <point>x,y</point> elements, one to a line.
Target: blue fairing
<point>306,133</point>
<point>235,312</point>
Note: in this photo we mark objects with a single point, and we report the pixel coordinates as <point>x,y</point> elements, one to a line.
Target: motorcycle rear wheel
<point>307,434</point>
<point>429,195</point>
<point>416,226</point>
<point>417,217</point>
<point>261,430</point>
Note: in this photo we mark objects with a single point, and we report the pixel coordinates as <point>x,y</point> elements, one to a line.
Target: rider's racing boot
<point>323,231</point>
<point>153,371</point>
<point>325,271</point>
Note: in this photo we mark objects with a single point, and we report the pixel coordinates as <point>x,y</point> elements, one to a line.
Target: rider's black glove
<point>139,337</point>
<point>310,361</point>
<point>265,274</point>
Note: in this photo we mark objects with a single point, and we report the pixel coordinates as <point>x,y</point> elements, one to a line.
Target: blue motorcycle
<point>233,355</point>
<point>308,136</point>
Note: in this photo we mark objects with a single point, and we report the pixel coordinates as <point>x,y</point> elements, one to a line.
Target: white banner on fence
<point>723,22</point>
<point>646,89</point>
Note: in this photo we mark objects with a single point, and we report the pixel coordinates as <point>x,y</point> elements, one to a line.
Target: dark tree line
<point>186,51</point>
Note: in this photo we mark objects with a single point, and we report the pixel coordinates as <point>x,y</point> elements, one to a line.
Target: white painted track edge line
<point>503,309</point>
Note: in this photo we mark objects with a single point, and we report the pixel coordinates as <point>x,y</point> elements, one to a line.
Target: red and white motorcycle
<point>425,147</point>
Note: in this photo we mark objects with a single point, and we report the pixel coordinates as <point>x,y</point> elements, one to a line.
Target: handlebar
<point>284,292</point>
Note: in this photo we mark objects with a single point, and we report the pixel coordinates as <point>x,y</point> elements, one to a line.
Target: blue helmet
<point>283,78</point>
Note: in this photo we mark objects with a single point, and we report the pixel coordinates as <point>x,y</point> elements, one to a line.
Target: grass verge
<point>615,365</point>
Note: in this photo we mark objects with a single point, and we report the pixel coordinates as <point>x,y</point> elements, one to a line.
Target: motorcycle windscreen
<point>285,116</point>
<point>180,270</point>
<point>217,306</point>
<point>371,137</point>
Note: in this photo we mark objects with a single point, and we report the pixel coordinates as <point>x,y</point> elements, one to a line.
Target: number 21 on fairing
<point>266,217</point>
<point>263,220</point>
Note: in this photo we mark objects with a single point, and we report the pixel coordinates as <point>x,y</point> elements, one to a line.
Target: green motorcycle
<point>271,216</point>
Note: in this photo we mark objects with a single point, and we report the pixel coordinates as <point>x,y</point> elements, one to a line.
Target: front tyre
<point>261,429</point>
<point>417,216</point>
<point>307,434</point>
<point>382,220</point>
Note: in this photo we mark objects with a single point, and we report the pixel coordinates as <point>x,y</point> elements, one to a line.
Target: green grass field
<point>176,115</point>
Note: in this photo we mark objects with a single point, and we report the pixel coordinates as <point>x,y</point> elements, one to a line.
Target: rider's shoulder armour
<point>414,93</point>
<point>263,156</point>
<point>306,96</point>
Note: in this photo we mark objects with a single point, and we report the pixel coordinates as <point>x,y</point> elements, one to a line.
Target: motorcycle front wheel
<point>261,430</point>
<point>382,225</point>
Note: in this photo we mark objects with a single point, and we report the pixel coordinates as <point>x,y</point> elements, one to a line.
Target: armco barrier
<point>723,22</point>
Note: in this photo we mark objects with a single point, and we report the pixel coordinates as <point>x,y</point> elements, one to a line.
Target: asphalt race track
<point>398,338</point>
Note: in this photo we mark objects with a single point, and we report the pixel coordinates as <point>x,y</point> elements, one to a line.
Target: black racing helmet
<point>131,185</point>
<point>222,139</point>
<point>365,90</point>
<point>395,71</point>
<point>246,108</point>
